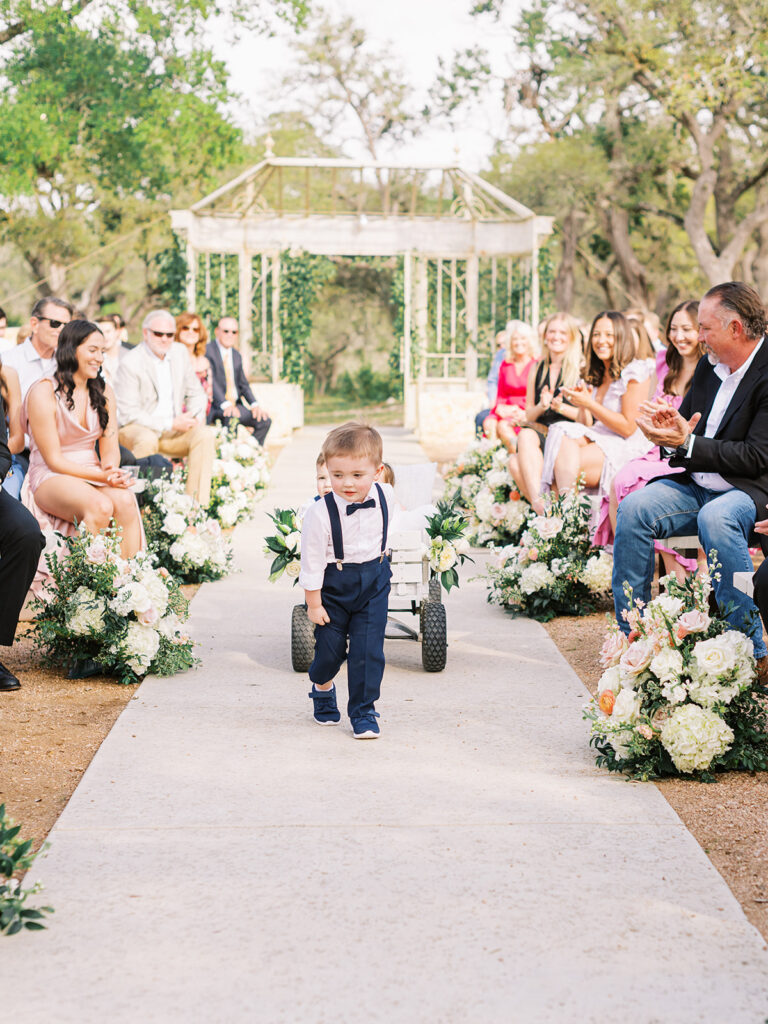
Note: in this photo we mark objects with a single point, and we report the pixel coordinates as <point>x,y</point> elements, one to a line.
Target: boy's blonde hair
<point>356,439</point>
<point>320,460</point>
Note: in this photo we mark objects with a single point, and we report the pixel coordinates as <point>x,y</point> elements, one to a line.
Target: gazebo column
<point>472,302</point>
<point>277,341</point>
<point>421,317</point>
<point>244,290</point>
<point>534,276</point>
<point>409,388</point>
<point>191,277</point>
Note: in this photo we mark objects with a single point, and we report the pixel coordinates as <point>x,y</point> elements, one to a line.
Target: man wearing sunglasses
<point>232,395</point>
<point>161,404</point>
<point>37,356</point>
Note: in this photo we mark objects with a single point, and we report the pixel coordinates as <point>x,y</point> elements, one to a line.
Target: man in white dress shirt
<point>37,356</point>
<point>161,405</point>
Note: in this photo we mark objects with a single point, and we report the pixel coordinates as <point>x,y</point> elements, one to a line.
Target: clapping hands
<point>663,425</point>
<point>579,395</point>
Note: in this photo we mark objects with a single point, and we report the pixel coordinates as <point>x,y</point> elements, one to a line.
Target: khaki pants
<point>197,445</point>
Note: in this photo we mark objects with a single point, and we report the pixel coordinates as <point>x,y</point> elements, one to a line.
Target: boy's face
<point>352,476</point>
<point>323,481</point>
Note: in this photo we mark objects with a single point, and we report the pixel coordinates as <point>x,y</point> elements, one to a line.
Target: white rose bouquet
<point>284,544</point>
<point>240,475</point>
<point>448,544</point>
<point>553,569</point>
<point>677,694</point>
<point>180,534</point>
<point>486,493</point>
<point>104,614</point>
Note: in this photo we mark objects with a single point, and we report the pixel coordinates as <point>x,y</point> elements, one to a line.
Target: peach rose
<point>613,647</point>
<point>514,496</point>
<point>692,622</point>
<point>645,730</point>
<point>606,701</point>
<point>533,554</point>
<point>636,658</point>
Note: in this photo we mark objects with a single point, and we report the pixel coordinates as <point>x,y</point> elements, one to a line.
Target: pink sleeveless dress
<point>512,388</point>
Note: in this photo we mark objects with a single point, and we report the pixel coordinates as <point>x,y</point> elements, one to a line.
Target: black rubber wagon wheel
<point>434,639</point>
<point>435,589</point>
<point>302,639</point>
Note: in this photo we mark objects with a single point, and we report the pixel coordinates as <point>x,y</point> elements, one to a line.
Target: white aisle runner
<point>226,860</point>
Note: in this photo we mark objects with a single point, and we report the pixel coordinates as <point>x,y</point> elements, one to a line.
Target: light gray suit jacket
<point>137,392</point>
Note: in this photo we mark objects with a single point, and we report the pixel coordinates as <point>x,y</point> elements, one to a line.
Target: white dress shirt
<point>360,532</point>
<point>29,365</point>
<point>165,409</point>
<point>725,393</point>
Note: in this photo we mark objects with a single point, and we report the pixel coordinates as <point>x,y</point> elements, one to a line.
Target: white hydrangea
<point>140,645</point>
<point>535,577</point>
<point>694,737</point>
<point>88,612</point>
<point>484,502</point>
<point>598,572</point>
<point>514,515</point>
<point>174,524</point>
<point>498,478</point>
<point>672,607</point>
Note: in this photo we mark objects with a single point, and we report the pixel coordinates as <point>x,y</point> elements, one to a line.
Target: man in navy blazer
<point>232,395</point>
<point>719,438</point>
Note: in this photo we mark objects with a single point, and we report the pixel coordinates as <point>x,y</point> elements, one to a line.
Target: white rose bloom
<point>694,737</point>
<point>293,569</point>
<point>500,457</point>
<point>610,680</point>
<point>715,656</point>
<point>228,514</point>
<point>547,527</point>
<point>626,708</point>
<point>448,557</point>
<point>293,541</point>
<point>535,577</point>
<point>667,665</point>
<point>174,524</point>
<point>671,606</point>
<point>484,502</point>
<point>462,546</point>
<point>497,478</point>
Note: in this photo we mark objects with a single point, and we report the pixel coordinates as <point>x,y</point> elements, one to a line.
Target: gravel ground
<point>729,818</point>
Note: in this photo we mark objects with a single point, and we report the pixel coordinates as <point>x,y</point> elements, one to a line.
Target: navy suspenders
<point>336,538</point>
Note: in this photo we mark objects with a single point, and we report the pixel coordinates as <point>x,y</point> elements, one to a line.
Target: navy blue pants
<point>356,599</point>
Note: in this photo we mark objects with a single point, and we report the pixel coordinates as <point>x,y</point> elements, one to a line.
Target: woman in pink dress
<point>674,369</point>
<point>65,415</point>
<point>507,417</point>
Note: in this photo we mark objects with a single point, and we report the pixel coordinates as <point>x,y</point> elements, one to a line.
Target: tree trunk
<point>564,279</point>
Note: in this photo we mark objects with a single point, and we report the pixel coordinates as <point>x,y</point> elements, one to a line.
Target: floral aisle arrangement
<point>240,473</point>
<point>125,616</point>
<point>484,489</point>
<point>181,536</point>
<point>676,696</point>
<point>16,855</point>
<point>448,544</point>
<point>554,569</point>
<point>284,544</point>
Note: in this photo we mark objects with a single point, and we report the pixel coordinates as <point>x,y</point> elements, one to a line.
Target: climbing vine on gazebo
<point>302,275</point>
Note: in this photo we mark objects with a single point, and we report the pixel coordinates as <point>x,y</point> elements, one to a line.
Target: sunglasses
<point>228,330</point>
<point>163,334</point>
<point>55,324</point>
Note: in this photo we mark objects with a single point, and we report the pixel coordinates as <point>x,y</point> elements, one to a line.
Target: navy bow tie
<point>353,506</point>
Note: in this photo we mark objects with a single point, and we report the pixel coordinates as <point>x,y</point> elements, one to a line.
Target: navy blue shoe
<point>365,727</point>
<point>326,709</point>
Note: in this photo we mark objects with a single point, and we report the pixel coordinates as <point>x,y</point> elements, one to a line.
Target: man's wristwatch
<point>683,450</point>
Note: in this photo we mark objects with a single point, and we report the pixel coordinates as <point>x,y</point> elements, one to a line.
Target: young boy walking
<point>345,575</point>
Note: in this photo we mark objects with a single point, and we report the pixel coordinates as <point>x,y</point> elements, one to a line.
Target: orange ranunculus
<point>634,634</point>
<point>514,496</point>
<point>606,701</point>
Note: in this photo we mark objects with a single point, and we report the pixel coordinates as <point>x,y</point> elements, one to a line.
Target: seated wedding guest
<point>4,342</point>
<point>492,382</point>
<point>112,349</point>
<point>675,367</point>
<point>508,413</point>
<point>21,544</point>
<point>606,436</point>
<point>161,406</point>
<point>719,437</point>
<point>36,356</point>
<point>10,392</point>
<point>65,414</point>
<point>191,333</point>
<point>122,331</point>
<point>559,367</point>
<point>232,395</point>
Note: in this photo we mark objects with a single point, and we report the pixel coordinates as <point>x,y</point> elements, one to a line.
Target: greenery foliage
<point>16,856</point>
<point>301,276</point>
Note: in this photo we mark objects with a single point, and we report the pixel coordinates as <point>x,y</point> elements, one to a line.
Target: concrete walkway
<point>226,860</point>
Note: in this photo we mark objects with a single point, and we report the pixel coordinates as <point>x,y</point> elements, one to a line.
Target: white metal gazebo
<point>450,227</point>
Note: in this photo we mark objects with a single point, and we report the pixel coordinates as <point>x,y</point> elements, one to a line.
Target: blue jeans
<point>669,508</point>
<point>15,478</point>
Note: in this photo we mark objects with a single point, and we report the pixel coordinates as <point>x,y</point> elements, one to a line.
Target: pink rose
<point>533,554</point>
<point>497,511</point>
<point>148,618</point>
<point>636,657</point>
<point>96,552</point>
<point>692,622</point>
<point>613,647</point>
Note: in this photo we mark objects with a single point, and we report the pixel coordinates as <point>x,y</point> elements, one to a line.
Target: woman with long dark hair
<point>65,415</point>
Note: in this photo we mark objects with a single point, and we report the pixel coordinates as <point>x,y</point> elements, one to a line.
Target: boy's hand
<point>318,615</point>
